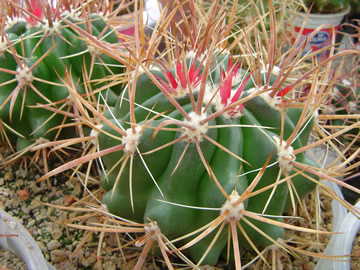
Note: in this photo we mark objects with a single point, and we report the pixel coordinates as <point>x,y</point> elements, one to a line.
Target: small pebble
<point>58,255</point>
<point>53,244</point>
<point>23,194</point>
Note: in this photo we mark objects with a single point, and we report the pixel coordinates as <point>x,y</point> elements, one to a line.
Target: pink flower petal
<point>284,91</point>
<point>240,89</point>
<point>181,75</point>
<point>171,79</point>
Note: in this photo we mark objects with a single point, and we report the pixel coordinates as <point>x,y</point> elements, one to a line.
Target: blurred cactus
<point>326,6</point>
<point>42,57</point>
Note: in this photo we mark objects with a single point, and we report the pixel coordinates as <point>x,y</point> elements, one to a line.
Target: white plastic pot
<point>343,222</point>
<point>347,225</point>
<point>22,244</point>
<point>150,16</point>
<point>322,38</point>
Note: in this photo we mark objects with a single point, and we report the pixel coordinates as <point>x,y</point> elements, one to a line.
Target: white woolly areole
<point>51,30</point>
<point>180,92</point>
<point>95,133</point>
<point>346,82</point>
<point>131,140</point>
<point>230,114</point>
<point>273,102</point>
<point>210,89</point>
<point>334,93</point>
<point>199,128</point>
<point>93,51</point>
<point>24,74</point>
<point>237,79</point>
<point>41,140</point>
<point>190,54</point>
<point>352,107</point>
<point>275,70</point>
<point>285,155</point>
<point>234,211</point>
<point>328,109</point>
<point>152,228</point>
<point>3,47</point>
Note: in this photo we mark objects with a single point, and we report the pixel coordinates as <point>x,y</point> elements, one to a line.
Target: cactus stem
<point>165,145</point>
<point>224,149</point>
<point>181,157</point>
<point>276,184</point>
<point>171,122</point>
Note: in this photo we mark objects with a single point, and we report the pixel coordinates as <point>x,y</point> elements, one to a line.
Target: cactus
<point>326,6</point>
<point>232,148</point>
<point>41,57</point>
<point>205,150</point>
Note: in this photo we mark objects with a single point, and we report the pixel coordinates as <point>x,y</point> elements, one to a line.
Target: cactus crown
<point>326,6</point>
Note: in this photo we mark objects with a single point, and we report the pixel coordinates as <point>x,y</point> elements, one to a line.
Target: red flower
<point>36,10</point>
<point>226,82</point>
<point>178,85</point>
<point>284,91</point>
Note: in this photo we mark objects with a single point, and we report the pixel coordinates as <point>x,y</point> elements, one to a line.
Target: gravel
<point>22,197</point>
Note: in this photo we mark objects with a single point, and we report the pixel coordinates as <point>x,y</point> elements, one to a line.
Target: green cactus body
<point>183,186</point>
<point>38,60</point>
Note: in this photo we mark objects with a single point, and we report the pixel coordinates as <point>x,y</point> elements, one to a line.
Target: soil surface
<point>71,248</point>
